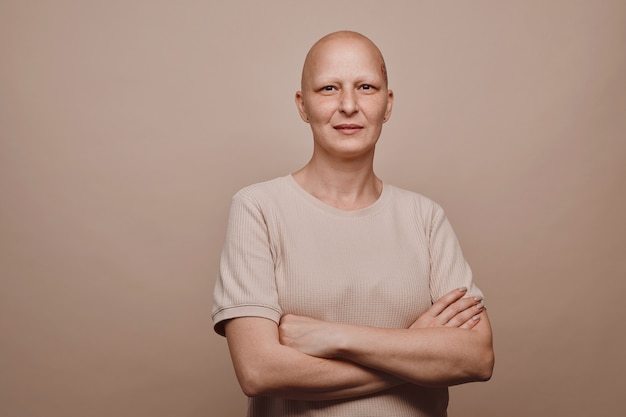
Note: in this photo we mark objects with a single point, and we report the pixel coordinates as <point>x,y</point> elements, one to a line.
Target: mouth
<point>348,129</point>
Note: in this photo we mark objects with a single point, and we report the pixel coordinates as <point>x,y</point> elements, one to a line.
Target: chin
<point>347,147</point>
<point>353,153</point>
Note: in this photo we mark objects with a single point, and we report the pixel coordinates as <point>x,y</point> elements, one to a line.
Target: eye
<point>366,87</point>
<point>328,88</point>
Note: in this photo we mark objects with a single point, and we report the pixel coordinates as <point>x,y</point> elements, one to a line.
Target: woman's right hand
<point>452,310</point>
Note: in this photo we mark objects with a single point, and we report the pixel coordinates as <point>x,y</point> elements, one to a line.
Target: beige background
<point>126,126</point>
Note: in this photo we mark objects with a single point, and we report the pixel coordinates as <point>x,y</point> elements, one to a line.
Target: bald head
<point>326,44</point>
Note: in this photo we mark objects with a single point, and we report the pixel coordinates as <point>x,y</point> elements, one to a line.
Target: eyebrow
<point>362,77</point>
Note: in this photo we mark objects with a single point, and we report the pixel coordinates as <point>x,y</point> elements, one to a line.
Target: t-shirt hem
<point>248,310</point>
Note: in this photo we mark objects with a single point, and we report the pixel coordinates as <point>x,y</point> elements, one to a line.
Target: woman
<point>340,295</point>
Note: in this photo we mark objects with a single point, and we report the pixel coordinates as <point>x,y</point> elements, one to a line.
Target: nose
<point>348,103</point>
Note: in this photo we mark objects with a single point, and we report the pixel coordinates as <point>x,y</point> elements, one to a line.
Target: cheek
<point>320,110</point>
<point>375,108</point>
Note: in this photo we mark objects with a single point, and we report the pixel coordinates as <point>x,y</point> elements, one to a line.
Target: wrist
<point>343,341</point>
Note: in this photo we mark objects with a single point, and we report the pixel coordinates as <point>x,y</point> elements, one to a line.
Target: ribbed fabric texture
<point>288,252</point>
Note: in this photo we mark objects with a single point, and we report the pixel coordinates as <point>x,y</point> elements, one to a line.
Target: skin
<point>432,352</point>
<point>276,364</point>
<point>345,99</point>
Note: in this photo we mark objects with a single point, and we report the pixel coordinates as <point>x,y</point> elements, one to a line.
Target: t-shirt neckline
<point>365,211</point>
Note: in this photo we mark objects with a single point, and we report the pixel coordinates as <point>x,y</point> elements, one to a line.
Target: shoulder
<point>414,201</point>
<point>266,190</point>
<point>262,200</point>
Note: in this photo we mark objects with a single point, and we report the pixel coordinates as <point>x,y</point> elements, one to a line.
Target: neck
<point>348,185</point>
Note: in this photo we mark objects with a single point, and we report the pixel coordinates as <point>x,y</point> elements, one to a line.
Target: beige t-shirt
<point>288,252</point>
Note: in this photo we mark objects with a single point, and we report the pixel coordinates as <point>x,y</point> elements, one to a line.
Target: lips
<point>348,128</point>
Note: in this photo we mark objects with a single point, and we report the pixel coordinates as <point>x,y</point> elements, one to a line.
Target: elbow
<point>484,360</point>
<point>251,390</point>
<point>252,384</point>
<point>484,368</point>
<point>255,381</point>
<point>477,368</point>
<point>484,374</point>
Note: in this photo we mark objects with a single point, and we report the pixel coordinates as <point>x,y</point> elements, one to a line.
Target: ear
<point>389,106</point>
<point>300,106</point>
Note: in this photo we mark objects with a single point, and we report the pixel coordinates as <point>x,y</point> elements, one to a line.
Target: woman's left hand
<point>325,339</point>
<point>452,310</point>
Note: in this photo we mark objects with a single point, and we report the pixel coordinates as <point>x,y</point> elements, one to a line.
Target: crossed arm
<point>308,359</point>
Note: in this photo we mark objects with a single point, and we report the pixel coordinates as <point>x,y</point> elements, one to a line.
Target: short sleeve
<point>246,284</point>
<point>449,269</point>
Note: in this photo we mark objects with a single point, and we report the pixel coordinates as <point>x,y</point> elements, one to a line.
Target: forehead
<point>342,57</point>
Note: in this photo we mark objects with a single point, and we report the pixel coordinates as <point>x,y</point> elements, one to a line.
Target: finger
<point>456,308</point>
<point>465,315</point>
<point>445,301</point>
<point>474,320</point>
<point>471,322</point>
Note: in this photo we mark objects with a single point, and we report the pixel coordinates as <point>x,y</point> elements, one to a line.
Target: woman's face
<point>344,96</point>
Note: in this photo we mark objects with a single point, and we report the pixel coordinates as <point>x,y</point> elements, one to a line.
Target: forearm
<point>267,368</point>
<point>438,356</point>
<point>302,377</point>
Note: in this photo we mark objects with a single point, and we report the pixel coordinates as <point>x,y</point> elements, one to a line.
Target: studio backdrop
<point>126,127</point>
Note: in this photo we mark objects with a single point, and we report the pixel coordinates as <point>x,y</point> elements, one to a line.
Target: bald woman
<point>339,294</point>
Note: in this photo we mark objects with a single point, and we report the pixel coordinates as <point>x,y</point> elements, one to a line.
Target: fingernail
<point>476,318</point>
<point>478,298</point>
<point>463,289</point>
<point>480,306</point>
